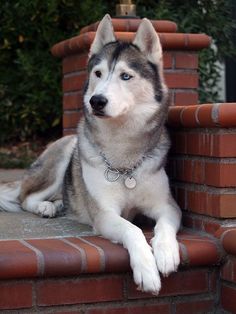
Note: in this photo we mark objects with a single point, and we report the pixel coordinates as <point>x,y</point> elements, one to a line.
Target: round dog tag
<point>130,182</point>
<point>111,175</point>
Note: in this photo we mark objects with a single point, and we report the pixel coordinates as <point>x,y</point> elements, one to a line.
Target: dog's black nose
<point>98,102</point>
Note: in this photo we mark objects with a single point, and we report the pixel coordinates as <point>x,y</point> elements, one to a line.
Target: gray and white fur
<point>125,108</point>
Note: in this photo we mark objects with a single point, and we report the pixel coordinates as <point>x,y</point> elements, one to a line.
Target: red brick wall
<point>202,163</point>
<point>182,293</point>
<point>202,166</point>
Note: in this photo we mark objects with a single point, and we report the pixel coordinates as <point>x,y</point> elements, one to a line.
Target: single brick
<point>17,260</point>
<point>181,80</point>
<point>199,306</point>
<point>74,63</point>
<point>210,254</point>
<point>186,60</point>
<point>228,297</point>
<point>220,174</point>
<point>58,292</point>
<point>74,82</point>
<point>15,295</point>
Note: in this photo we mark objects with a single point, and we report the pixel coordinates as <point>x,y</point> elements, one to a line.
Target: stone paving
<point>24,225</point>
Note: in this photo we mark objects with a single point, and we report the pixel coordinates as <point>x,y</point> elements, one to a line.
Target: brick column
<point>202,168</point>
<point>180,64</point>
<point>202,163</point>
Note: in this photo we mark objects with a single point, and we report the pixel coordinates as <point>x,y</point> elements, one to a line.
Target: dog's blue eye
<point>125,76</point>
<point>98,73</point>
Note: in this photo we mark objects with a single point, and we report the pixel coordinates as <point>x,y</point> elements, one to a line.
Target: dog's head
<point>124,77</point>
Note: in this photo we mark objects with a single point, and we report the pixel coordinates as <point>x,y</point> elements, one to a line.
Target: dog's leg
<point>48,201</point>
<point>36,203</point>
<point>164,242</point>
<point>115,228</point>
<point>41,188</point>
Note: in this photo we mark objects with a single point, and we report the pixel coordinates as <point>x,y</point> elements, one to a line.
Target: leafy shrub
<point>30,89</point>
<point>212,17</point>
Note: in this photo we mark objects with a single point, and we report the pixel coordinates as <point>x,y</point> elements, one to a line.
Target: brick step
<point>91,275</point>
<point>182,292</point>
<point>187,291</point>
<point>72,256</point>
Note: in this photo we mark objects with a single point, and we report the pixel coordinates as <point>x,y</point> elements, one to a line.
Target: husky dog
<point>115,166</point>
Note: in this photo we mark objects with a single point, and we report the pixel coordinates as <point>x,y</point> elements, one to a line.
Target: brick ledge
<point>80,255</point>
<point>131,25</point>
<point>205,115</point>
<point>175,41</point>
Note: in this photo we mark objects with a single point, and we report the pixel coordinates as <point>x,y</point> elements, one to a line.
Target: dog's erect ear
<point>148,41</point>
<point>104,35</point>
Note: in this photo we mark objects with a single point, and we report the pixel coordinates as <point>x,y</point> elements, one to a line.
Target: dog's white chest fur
<point>150,186</point>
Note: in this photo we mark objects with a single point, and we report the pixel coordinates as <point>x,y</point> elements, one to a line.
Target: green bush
<point>212,17</point>
<point>30,78</point>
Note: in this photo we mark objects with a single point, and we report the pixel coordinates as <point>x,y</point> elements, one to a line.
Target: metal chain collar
<point>113,174</point>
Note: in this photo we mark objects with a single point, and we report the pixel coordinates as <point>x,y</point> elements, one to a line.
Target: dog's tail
<point>9,197</point>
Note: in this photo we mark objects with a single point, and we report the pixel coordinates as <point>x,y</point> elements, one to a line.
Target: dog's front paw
<point>47,209</point>
<point>166,254</point>
<point>145,272</point>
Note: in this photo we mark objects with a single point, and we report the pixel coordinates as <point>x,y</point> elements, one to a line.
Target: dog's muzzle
<point>98,103</point>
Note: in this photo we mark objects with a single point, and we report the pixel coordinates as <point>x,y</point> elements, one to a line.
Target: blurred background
<point>30,78</point>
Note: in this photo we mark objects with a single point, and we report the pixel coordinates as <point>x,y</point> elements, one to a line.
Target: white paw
<point>166,254</point>
<point>145,273</point>
<point>47,209</point>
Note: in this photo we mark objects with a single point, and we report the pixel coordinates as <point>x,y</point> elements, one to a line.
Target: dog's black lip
<point>99,114</point>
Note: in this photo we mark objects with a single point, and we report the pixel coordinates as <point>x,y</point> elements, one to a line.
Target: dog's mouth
<point>99,114</point>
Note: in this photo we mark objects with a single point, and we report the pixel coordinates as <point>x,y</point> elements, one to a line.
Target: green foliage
<point>30,89</point>
<point>30,78</point>
<point>212,17</point>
